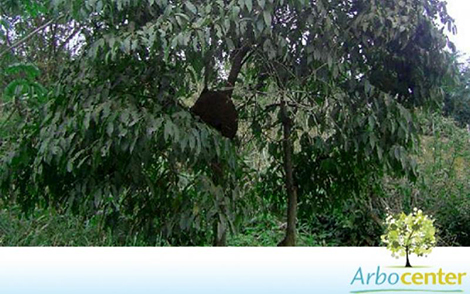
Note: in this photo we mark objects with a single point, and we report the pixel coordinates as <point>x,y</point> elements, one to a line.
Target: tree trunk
<point>220,234</point>
<point>289,239</point>
<point>219,229</point>
<point>407,257</point>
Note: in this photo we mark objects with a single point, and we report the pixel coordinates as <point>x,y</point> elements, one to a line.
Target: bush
<point>443,187</point>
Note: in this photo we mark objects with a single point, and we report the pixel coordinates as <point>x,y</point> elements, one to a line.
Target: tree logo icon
<point>407,234</point>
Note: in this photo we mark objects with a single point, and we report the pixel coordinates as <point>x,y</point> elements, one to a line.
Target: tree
<point>116,139</point>
<point>347,94</point>
<point>407,234</point>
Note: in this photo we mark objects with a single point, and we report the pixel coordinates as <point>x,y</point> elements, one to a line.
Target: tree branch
<point>29,36</point>
<point>237,62</point>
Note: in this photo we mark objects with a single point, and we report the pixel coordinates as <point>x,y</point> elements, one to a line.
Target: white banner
<point>230,270</point>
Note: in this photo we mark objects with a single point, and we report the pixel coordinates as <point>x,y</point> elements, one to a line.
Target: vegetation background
<point>347,110</point>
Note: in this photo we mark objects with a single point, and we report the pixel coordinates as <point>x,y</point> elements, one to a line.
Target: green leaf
<point>190,6</point>
<point>86,120</point>
<point>29,69</point>
<point>267,18</point>
<point>168,130</point>
<point>249,5</point>
<point>15,88</point>
<point>236,13</point>
<point>110,129</point>
<point>182,19</point>
<point>70,166</point>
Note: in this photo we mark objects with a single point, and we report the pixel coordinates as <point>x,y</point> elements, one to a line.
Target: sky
<point>460,11</point>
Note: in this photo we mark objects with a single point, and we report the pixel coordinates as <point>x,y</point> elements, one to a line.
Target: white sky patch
<point>460,11</point>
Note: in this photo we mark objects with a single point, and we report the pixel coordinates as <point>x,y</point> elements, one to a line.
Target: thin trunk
<point>220,235</point>
<point>289,239</point>
<point>407,248</point>
<point>237,63</point>
<point>407,257</point>
<point>220,230</point>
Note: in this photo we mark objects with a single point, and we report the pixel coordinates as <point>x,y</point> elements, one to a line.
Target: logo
<point>406,235</point>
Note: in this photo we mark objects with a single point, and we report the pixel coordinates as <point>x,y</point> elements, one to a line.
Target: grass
<point>48,228</point>
<point>267,230</point>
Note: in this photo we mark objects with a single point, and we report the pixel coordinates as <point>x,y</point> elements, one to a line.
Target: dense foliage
<point>96,120</point>
<point>457,98</point>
